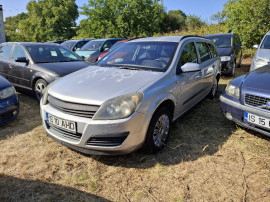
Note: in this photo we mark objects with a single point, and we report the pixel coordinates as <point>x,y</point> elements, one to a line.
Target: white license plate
<point>257,120</point>
<point>61,123</point>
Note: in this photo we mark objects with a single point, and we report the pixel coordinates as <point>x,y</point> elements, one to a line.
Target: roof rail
<point>186,36</point>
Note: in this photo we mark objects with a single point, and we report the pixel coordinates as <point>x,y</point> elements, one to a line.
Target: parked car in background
<point>93,49</point>
<point>57,42</point>
<point>130,97</point>
<point>74,45</point>
<point>229,49</point>
<point>262,56</point>
<point>33,66</point>
<point>9,103</point>
<point>117,44</point>
<point>246,100</point>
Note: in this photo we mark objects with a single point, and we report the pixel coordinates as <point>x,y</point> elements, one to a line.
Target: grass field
<point>207,158</point>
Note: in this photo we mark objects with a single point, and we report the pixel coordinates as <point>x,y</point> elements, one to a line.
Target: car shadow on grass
<point>28,119</point>
<point>199,132</point>
<point>15,189</point>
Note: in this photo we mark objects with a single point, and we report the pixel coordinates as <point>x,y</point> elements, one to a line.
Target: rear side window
<point>203,51</point>
<point>213,50</point>
<point>5,51</point>
<point>188,54</point>
<point>18,52</point>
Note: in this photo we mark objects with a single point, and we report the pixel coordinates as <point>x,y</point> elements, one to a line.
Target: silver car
<point>262,56</point>
<point>130,97</point>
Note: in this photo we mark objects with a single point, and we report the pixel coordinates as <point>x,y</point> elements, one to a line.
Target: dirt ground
<point>207,158</point>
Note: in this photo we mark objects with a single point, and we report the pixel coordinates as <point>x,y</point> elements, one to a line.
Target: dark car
<point>246,100</point>
<point>74,44</point>
<point>56,42</point>
<point>229,49</point>
<point>93,49</point>
<point>9,104</point>
<point>33,66</point>
<point>117,44</point>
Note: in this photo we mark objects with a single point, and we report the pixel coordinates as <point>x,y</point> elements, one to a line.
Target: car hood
<point>4,83</point>
<point>264,54</point>
<point>258,79</point>
<point>224,51</point>
<point>95,85</point>
<point>85,52</point>
<point>63,68</point>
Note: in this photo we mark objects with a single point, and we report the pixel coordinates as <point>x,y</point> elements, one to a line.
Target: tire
<point>232,73</point>
<point>213,93</point>
<point>39,88</point>
<point>158,131</point>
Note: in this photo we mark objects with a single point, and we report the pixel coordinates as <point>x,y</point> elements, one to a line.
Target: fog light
<point>15,112</point>
<point>228,115</point>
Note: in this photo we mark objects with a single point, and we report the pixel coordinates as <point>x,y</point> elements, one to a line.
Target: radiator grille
<point>257,101</point>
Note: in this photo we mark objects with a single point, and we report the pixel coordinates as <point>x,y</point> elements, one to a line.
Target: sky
<point>203,8</point>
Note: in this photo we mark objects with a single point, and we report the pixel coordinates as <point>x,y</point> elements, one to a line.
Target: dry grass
<point>208,158</point>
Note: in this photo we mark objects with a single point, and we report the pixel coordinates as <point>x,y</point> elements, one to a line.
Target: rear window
<point>213,50</point>
<point>203,51</point>
<point>266,42</point>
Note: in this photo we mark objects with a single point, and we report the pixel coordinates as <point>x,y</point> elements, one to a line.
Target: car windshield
<point>221,41</point>
<point>149,56</point>
<point>266,42</point>
<point>92,45</point>
<point>49,54</point>
<point>68,44</point>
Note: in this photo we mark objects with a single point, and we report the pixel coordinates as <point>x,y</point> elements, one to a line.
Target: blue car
<point>9,103</point>
<point>246,100</point>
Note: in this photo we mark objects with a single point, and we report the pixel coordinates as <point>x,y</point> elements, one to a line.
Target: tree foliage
<point>249,18</point>
<point>122,18</point>
<point>194,22</point>
<point>176,20</point>
<point>49,20</point>
<point>12,25</point>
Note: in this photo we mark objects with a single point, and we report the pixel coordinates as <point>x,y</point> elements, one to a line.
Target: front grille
<point>76,109</point>
<point>257,101</point>
<point>67,134</point>
<point>112,140</point>
<point>5,117</point>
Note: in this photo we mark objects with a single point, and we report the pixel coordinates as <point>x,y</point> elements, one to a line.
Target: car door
<point>237,47</point>
<point>20,73</point>
<point>5,52</point>
<point>207,63</point>
<point>188,83</point>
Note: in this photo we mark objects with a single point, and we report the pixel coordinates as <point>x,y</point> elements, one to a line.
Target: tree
<point>122,18</point>
<point>194,21</point>
<point>12,27</point>
<point>176,20</point>
<point>49,20</point>
<point>248,18</point>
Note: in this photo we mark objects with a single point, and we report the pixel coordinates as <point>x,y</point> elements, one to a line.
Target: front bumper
<point>237,110</point>
<point>105,137</point>
<point>9,109</point>
<point>226,67</point>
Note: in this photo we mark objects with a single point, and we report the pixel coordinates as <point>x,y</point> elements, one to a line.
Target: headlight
<point>44,98</point>
<point>225,58</point>
<point>119,107</point>
<point>259,61</point>
<point>7,92</point>
<point>233,91</point>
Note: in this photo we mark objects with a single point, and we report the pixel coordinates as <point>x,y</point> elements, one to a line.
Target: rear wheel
<point>158,131</point>
<point>39,88</point>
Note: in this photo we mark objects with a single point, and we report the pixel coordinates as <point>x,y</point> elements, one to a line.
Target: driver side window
<point>18,52</point>
<point>188,54</point>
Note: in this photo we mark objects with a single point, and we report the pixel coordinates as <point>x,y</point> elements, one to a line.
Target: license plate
<point>61,123</point>
<point>257,120</point>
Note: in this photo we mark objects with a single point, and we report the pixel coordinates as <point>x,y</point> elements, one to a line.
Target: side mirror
<point>239,45</point>
<point>190,67</point>
<point>21,59</point>
<point>106,49</point>
<point>83,57</point>
<point>256,46</point>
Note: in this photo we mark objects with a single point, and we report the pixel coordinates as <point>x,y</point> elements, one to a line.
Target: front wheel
<point>233,69</point>
<point>158,131</point>
<point>39,88</point>
<point>213,93</point>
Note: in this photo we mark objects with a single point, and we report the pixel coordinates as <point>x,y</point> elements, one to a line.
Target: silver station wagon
<point>130,97</point>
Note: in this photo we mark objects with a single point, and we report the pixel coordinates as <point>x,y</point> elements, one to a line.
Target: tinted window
<point>203,51</point>
<point>154,56</point>
<point>213,50</point>
<point>221,41</point>
<point>41,54</point>
<point>92,45</point>
<point>68,44</point>
<point>266,42</point>
<point>188,54</point>
<point>18,52</point>
<point>107,44</point>
<point>5,51</point>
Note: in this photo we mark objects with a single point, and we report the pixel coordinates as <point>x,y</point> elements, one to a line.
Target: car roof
<point>165,38</point>
<point>107,39</point>
<point>32,43</point>
<point>220,34</point>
